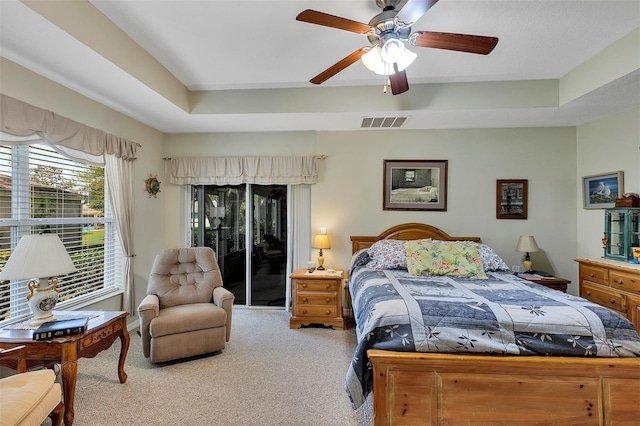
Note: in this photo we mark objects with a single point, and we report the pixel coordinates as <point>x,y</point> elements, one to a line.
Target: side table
<point>103,329</point>
<point>555,283</point>
<point>317,298</point>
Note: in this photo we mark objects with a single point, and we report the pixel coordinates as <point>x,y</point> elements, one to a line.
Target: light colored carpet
<point>267,375</point>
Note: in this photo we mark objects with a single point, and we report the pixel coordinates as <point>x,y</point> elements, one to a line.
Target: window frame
<point>22,222</point>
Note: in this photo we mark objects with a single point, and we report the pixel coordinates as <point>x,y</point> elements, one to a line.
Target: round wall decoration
<point>152,186</point>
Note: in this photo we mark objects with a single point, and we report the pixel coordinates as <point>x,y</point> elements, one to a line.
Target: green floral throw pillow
<point>452,258</point>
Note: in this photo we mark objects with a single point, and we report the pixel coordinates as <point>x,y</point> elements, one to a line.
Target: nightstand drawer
<point>625,281</point>
<point>317,311</point>
<point>304,298</point>
<point>607,298</point>
<point>317,285</point>
<point>595,274</point>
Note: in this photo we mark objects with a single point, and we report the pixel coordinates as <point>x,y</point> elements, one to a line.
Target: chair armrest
<point>224,299</point>
<point>148,309</point>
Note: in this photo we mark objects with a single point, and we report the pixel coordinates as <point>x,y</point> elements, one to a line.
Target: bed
<point>480,379</point>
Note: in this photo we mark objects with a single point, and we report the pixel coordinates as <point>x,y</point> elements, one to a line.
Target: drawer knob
<point>588,293</point>
<point>328,300</point>
<point>327,312</point>
<point>327,286</point>
<point>304,285</point>
<point>612,301</point>
<point>592,275</point>
<point>304,311</point>
<point>305,300</point>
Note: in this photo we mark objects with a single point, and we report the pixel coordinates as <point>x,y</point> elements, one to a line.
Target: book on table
<point>51,330</point>
<point>536,275</point>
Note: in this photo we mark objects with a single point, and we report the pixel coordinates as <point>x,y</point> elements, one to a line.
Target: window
<point>42,191</point>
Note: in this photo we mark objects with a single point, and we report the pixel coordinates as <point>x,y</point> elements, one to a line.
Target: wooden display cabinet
<point>621,232</point>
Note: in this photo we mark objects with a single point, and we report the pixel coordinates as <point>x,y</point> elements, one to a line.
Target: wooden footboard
<point>448,389</point>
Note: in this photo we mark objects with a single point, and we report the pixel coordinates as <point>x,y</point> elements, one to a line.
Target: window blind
<point>43,192</point>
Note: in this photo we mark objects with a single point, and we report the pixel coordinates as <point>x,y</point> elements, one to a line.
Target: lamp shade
<point>376,62</point>
<point>527,244</point>
<point>38,256</point>
<point>321,241</point>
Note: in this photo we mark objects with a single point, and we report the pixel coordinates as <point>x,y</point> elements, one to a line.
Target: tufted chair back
<point>184,275</point>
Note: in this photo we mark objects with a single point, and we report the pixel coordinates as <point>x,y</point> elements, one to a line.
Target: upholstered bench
<point>28,398</point>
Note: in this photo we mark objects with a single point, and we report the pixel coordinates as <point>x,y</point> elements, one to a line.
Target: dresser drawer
<point>602,296</point>
<point>625,281</point>
<point>318,298</point>
<point>317,311</point>
<point>317,285</point>
<point>594,274</point>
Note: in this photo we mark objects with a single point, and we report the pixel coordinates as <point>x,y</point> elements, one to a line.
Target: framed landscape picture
<point>600,191</point>
<point>511,198</point>
<point>415,185</point>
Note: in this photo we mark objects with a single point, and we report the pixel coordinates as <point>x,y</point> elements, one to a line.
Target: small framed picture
<point>511,198</point>
<point>415,185</point>
<point>600,191</point>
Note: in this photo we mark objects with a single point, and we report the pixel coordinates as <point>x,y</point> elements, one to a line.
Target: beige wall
<point>606,145</point>
<point>348,197</point>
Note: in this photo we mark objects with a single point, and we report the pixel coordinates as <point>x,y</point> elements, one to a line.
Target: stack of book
<point>51,330</point>
<point>536,275</point>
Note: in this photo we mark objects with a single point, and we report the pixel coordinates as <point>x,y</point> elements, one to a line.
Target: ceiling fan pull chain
<point>386,84</point>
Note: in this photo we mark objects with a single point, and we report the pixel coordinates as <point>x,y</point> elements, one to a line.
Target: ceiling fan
<point>386,32</point>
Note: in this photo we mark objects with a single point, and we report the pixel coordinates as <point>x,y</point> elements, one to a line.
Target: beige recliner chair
<point>186,312</point>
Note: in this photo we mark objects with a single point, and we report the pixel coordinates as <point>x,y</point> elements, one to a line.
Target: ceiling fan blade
<point>338,66</point>
<point>398,80</point>
<point>482,45</point>
<point>413,10</point>
<point>321,18</point>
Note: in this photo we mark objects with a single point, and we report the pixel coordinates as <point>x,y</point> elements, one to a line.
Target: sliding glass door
<point>251,253</point>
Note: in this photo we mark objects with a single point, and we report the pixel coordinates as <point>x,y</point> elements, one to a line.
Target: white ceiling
<point>251,60</point>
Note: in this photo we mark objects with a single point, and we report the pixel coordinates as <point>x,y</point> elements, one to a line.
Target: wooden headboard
<point>406,231</point>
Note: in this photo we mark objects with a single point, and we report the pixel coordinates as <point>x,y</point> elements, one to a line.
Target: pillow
<point>387,254</point>
<point>490,259</point>
<point>455,258</point>
<point>359,258</point>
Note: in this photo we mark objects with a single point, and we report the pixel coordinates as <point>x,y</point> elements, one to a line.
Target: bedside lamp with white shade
<point>527,244</point>
<point>40,258</point>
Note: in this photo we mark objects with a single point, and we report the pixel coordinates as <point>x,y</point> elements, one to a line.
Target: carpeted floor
<point>267,375</point>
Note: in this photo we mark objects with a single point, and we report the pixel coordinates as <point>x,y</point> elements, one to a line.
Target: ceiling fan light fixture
<point>392,50</point>
<point>373,61</point>
<point>406,59</point>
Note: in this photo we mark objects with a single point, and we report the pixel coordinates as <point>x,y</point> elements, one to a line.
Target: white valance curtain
<point>25,122</point>
<point>69,137</point>
<point>238,170</point>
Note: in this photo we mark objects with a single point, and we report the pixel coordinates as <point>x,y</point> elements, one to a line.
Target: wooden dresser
<point>317,299</point>
<point>613,284</point>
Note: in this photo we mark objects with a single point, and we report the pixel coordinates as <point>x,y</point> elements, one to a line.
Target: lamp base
<point>42,300</point>
<point>320,262</point>
<point>528,265</point>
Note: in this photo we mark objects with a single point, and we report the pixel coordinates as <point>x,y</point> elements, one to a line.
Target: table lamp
<point>528,245</point>
<point>321,241</point>
<point>41,258</point>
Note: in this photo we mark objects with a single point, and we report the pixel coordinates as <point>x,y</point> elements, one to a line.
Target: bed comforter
<point>500,315</point>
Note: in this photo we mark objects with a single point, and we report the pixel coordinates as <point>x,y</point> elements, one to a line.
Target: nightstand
<point>555,283</point>
<point>317,298</point>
